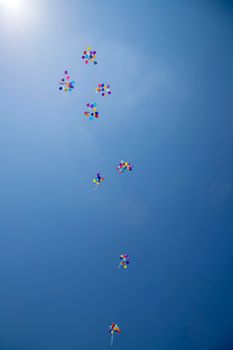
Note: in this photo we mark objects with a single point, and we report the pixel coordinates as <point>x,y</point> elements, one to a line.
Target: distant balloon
<point>89,55</point>
<point>98,180</point>
<point>124,261</point>
<point>124,166</point>
<point>103,89</point>
<point>92,112</point>
<point>114,328</point>
<point>66,84</point>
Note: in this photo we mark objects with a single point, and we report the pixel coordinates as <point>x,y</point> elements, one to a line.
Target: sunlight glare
<point>11,5</point>
<point>16,12</point>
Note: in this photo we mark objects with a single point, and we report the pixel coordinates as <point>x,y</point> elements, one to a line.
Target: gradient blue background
<point>169,64</point>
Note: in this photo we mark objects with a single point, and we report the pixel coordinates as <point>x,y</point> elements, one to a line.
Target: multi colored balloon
<point>124,260</point>
<point>103,89</point>
<point>92,111</point>
<point>114,328</point>
<point>89,55</point>
<point>98,180</point>
<point>66,84</point>
<point>123,166</point>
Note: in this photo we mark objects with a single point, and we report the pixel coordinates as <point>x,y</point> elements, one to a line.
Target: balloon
<point>124,260</point>
<point>65,83</point>
<point>98,180</point>
<point>89,56</point>
<point>91,111</point>
<point>114,328</point>
<point>124,166</point>
<point>103,89</point>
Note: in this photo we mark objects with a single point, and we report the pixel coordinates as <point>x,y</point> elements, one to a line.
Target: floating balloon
<point>66,84</point>
<point>89,55</point>
<point>92,112</point>
<point>98,180</point>
<point>114,328</point>
<point>124,261</point>
<point>124,166</point>
<point>103,89</point>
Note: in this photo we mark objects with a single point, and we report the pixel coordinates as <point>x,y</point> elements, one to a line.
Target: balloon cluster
<point>66,84</point>
<point>89,55</point>
<point>124,260</point>
<point>103,89</point>
<point>123,166</point>
<point>98,179</point>
<point>92,111</point>
<point>114,328</point>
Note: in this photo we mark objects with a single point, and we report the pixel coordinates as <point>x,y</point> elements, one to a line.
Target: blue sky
<point>170,113</point>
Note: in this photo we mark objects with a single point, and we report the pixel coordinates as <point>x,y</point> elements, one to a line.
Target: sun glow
<point>11,5</point>
<point>16,12</point>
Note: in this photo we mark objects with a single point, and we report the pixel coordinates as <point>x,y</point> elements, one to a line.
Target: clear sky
<point>169,64</point>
